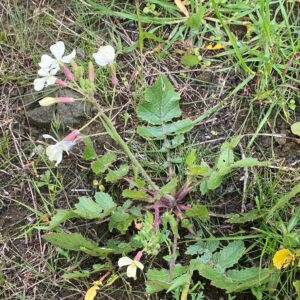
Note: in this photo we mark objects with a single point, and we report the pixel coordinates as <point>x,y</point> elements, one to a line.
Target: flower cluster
<point>49,67</point>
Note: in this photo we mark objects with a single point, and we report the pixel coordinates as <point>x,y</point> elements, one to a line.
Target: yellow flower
<point>91,293</point>
<point>217,46</point>
<point>283,258</point>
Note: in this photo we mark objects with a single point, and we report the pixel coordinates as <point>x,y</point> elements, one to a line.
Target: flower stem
<point>110,128</point>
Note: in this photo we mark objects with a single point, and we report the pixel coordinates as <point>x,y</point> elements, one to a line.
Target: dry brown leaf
<point>182,7</point>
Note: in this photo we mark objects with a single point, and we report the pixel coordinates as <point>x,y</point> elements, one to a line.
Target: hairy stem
<point>110,128</point>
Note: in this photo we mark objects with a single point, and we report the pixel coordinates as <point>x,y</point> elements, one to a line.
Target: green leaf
<point>102,163</point>
<point>158,279</point>
<point>226,157</point>
<point>105,201</point>
<point>179,281</point>
<point>76,274</point>
<point>168,189</point>
<point>120,220</point>
<point>61,216</point>
<point>173,143</point>
<point>189,60</point>
<point>89,151</point>
<point>246,162</point>
<point>233,280</point>
<point>161,103</point>
<point>229,255</point>
<point>194,21</point>
<point>114,175</point>
<point>247,278</point>
<point>151,36</point>
<point>87,208</point>
<point>159,132</point>
<point>296,128</point>
<point>198,170</point>
<point>201,247</point>
<point>198,211</point>
<point>296,285</point>
<point>214,180</point>
<point>170,219</point>
<point>191,158</point>
<point>249,216</point>
<point>135,194</point>
<point>70,241</point>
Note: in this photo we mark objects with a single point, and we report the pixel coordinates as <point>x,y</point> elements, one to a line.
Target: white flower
<point>48,78</point>
<point>57,50</point>
<point>55,152</point>
<point>132,265</point>
<point>105,56</point>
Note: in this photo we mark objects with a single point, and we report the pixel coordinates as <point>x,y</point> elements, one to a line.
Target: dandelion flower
<point>283,258</point>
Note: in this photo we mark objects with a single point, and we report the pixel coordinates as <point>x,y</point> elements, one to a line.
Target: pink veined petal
<point>67,59</point>
<point>58,50</point>
<point>47,62</point>
<point>139,265</point>
<point>131,271</point>
<point>39,84</point>
<point>124,261</point>
<point>50,80</point>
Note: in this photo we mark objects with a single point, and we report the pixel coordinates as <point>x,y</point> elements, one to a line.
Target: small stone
<point>41,116</point>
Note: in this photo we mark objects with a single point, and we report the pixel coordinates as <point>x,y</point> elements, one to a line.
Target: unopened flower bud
<point>72,136</point>
<point>61,82</point>
<point>47,101</point>
<point>64,99</point>
<point>73,64</point>
<point>68,73</point>
<point>138,256</point>
<point>114,79</point>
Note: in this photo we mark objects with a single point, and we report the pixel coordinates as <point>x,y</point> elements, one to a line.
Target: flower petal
<point>50,80</point>
<point>66,59</point>
<point>48,136</point>
<point>58,50</point>
<point>55,153</point>
<point>43,72</point>
<point>39,84</point>
<point>67,145</point>
<point>91,293</point>
<point>131,271</point>
<point>47,62</point>
<point>283,258</point>
<point>124,261</point>
<point>139,265</point>
<point>105,56</point>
